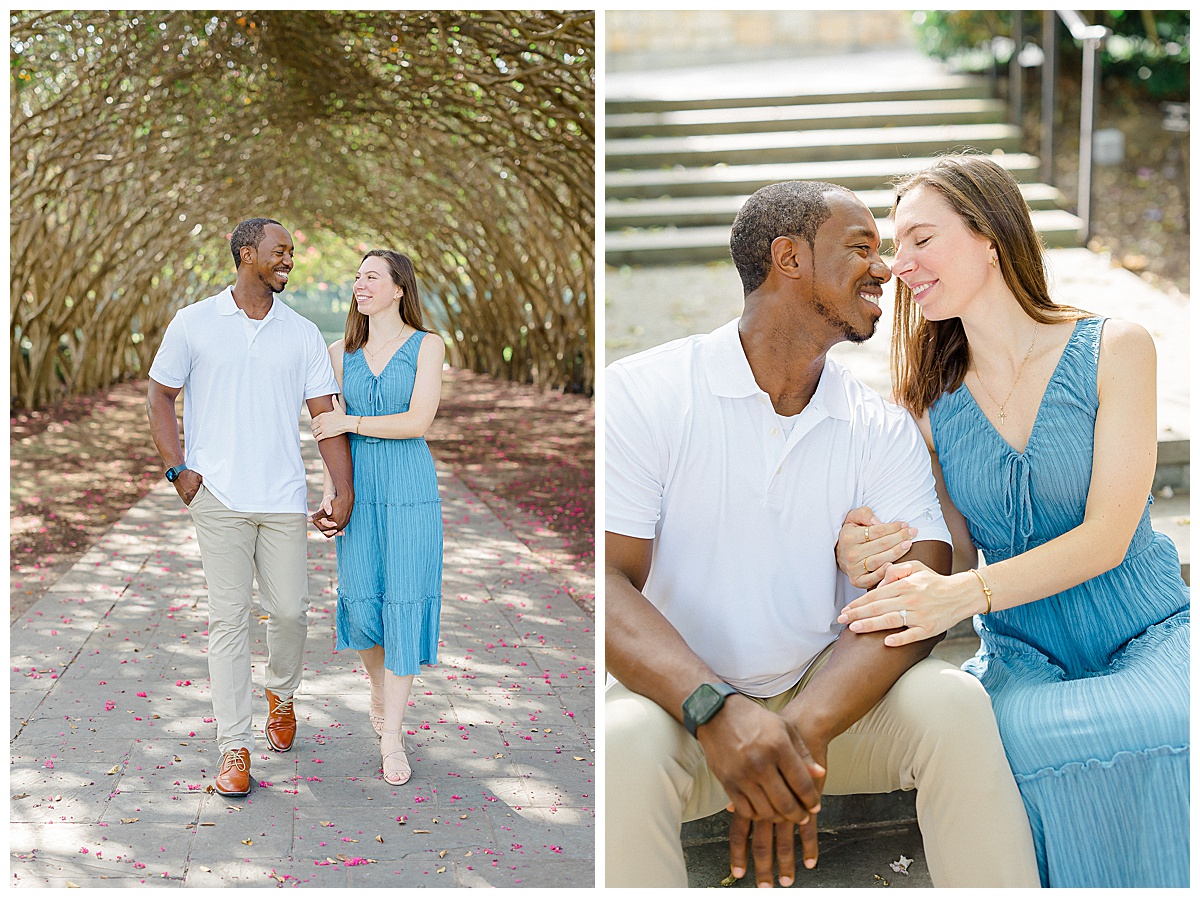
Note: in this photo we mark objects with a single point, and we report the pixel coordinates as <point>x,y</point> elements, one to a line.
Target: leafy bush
<point>1149,49</point>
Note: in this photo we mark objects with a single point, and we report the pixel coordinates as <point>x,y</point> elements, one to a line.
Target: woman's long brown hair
<point>403,276</point>
<point>930,358</point>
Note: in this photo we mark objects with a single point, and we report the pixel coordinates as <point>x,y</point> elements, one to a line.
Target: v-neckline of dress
<point>1037,418</point>
<point>395,353</point>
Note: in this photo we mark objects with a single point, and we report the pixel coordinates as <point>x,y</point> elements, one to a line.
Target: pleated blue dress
<point>1090,686</point>
<point>390,556</point>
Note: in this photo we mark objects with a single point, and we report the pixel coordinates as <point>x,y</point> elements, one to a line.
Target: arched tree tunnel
<point>463,139</point>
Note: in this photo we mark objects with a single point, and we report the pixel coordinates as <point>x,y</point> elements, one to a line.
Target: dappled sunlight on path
<point>113,740</point>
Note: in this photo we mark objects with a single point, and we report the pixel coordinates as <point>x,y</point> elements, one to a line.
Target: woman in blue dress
<point>390,554</point>
<point>1041,423</point>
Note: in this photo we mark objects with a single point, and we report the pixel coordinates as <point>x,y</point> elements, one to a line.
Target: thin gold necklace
<point>384,346</point>
<point>1020,371</point>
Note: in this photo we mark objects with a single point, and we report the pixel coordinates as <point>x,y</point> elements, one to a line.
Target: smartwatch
<point>702,705</point>
<point>174,472</point>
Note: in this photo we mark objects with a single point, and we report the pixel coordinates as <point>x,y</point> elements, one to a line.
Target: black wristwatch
<point>174,472</point>
<point>702,705</point>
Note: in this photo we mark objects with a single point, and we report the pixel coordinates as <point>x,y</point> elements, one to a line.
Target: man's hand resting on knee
<point>772,838</point>
<point>762,761</point>
<point>773,779</point>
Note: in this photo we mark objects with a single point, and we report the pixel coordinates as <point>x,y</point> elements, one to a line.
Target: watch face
<point>703,703</point>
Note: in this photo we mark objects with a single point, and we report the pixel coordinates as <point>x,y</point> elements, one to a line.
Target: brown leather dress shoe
<point>234,778</point>
<point>281,723</point>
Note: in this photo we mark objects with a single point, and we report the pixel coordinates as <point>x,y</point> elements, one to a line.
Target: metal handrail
<point>1080,29</point>
<point>1092,37</point>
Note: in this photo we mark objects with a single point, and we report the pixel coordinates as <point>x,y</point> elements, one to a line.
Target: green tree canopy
<point>464,139</point>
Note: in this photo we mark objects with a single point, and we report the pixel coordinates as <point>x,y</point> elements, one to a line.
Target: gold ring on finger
<point>865,571</point>
<point>867,531</point>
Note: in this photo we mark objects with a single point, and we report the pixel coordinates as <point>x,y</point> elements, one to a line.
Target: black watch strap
<point>702,705</point>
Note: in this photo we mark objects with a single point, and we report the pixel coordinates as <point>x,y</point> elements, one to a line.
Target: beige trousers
<point>235,546</point>
<point>934,732</point>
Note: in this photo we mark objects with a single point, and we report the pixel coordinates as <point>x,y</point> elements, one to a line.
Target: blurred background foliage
<point>139,139</point>
<point>1149,50</point>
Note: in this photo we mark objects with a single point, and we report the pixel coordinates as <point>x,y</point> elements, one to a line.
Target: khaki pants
<point>234,547</point>
<point>934,732</point>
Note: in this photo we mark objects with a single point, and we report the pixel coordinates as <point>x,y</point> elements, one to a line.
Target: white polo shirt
<point>244,386</point>
<point>744,517</point>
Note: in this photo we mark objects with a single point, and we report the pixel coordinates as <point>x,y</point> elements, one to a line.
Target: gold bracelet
<point>987,592</point>
<point>358,424</point>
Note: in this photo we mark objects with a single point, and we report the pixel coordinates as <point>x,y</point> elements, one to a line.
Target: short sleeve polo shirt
<point>745,516</point>
<point>244,386</point>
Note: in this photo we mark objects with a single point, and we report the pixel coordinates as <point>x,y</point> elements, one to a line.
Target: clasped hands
<point>332,516</point>
<point>908,597</point>
<point>773,773</point>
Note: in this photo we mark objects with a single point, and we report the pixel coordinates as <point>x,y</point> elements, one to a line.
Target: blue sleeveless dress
<point>390,557</point>
<point>1090,686</point>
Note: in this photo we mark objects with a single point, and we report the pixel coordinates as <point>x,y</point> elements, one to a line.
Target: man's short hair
<point>248,233</point>
<point>786,209</point>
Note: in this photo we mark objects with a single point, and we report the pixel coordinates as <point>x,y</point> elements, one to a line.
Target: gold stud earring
<point>994,260</point>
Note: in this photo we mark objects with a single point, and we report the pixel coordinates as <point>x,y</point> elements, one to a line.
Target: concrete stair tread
<point>711,242</point>
<point>881,75</point>
<point>886,113</point>
<point>617,151</point>
<point>724,179</point>
<point>696,210</point>
<point>1172,516</point>
<point>833,144</point>
<point>859,857</point>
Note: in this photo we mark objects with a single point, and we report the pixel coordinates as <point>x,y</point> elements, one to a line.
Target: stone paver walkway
<point>112,739</point>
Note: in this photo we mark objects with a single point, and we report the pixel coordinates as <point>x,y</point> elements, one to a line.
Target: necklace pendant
<point>1002,416</point>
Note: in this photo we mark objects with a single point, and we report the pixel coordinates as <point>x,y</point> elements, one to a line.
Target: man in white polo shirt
<point>731,461</point>
<point>247,364</point>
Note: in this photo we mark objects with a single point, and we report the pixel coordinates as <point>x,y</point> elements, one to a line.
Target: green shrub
<point>1149,49</point>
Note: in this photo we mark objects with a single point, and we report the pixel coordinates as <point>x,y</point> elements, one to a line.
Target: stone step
<point>850,857</point>
<point>695,211</point>
<point>806,146</point>
<point>678,90</point>
<point>757,119</point>
<point>1173,470</point>
<point>679,246</point>
<point>856,174</point>
<point>1171,512</point>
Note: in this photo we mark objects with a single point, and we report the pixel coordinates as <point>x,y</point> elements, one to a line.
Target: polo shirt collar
<point>728,372</point>
<point>227,306</point>
<point>726,365</point>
